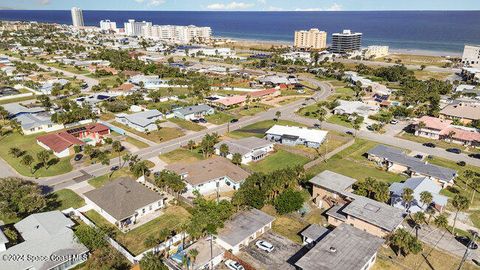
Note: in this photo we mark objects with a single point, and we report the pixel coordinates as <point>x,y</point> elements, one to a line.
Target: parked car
<point>114,168</point>
<point>234,120</point>
<point>461,163</point>
<point>394,122</point>
<point>474,156</point>
<point>369,127</point>
<point>195,121</point>
<point>476,262</point>
<point>467,242</point>
<point>454,150</point>
<point>78,157</point>
<point>316,125</point>
<point>202,120</point>
<point>349,133</point>
<point>429,144</point>
<point>418,156</point>
<point>264,245</point>
<point>233,265</point>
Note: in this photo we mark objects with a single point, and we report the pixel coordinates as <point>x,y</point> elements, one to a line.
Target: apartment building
<point>346,42</point>
<point>311,39</point>
<point>77,17</point>
<point>133,28</point>
<point>108,25</point>
<point>176,33</point>
<point>471,56</point>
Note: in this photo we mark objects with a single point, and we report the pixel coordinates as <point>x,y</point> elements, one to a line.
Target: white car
<point>233,265</point>
<point>264,245</point>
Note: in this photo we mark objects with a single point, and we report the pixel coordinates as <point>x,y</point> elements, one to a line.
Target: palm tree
<point>426,198</point>
<point>27,160</point>
<point>322,114</point>
<point>441,221</point>
<point>191,145</point>
<point>370,184</point>
<point>474,185</point>
<point>407,197</point>
<point>117,147</point>
<point>193,253</point>
<point>277,115</point>
<point>460,203</point>
<point>418,218</point>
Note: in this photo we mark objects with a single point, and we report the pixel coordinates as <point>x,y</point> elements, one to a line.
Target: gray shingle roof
<point>314,231</point>
<point>44,234</point>
<point>122,197</point>
<point>142,119</point>
<point>29,121</point>
<point>194,109</point>
<point>242,225</point>
<point>345,248</point>
<point>333,181</point>
<point>244,145</point>
<point>398,156</point>
<point>15,108</point>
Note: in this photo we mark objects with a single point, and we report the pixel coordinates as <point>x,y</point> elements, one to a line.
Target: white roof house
<point>296,135</point>
<point>358,107</point>
<point>141,121</point>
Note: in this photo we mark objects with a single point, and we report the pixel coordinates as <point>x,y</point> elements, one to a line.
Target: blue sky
<point>245,5</point>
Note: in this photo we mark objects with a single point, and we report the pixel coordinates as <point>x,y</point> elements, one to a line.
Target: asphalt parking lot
<point>280,258</point>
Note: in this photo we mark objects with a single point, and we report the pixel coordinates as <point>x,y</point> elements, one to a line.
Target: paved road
<point>384,64</point>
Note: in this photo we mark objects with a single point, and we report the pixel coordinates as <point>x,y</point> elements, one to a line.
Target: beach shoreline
<point>268,43</point>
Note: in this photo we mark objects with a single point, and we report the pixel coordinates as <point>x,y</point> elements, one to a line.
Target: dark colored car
<point>454,150</point>
<point>466,242</point>
<point>316,125</point>
<point>234,120</point>
<point>349,133</point>
<point>461,163</point>
<point>431,145</point>
<point>477,262</point>
<point>418,156</point>
<point>78,157</point>
<point>114,168</point>
<point>474,156</point>
<point>201,120</point>
<point>195,121</point>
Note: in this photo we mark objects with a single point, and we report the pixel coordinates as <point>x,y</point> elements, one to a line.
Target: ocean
<point>437,31</point>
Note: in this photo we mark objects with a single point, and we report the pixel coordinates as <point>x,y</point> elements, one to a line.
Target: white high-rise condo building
<point>345,42</point>
<point>471,56</point>
<point>311,39</point>
<point>107,25</point>
<point>133,28</point>
<point>77,17</point>
<point>177,34</point>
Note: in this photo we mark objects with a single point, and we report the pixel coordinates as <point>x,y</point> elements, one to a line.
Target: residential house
<point>442,129</point>
<point>276,80</point>
<point>49,237</point>
<point>330,189</point>
<point>290,135</point>
<point>62,143</point>
<point>95,68</point>
<point>418,185</point>
<point>149,82</point>
<point>207,254</point>
<point>266,93</point>
<point>16,109</point>
<point>243,228</point>
<point>463,112</point>
<point>346,248</point>
<point>124,202</point>
<point>94,100</point>
<point>229,102</point>
<point>36,123</point>
<point>313,233</point>
<point>142,121</point>
<point>395,160</point>
<point>251,148</point>
<point>193,112</point>
<point>210,175</point>
<point>346,107</point>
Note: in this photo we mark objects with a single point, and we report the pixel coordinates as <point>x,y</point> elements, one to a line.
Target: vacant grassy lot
<point>279,160</point>
<point>158,136</point>
<point>438,143</point>
<point>345,91</point>
<point>437,260</point>
<point>181,155</point>
<point>352,163</point>
<point>219,118</point>
<point>19,99</point>
<point>29,144</point>
<point>412,59</point>
<point>68,68</point>
<point>185,124</point>
<point>251,110</point>
<point>258,129</point>
<point>335,119</point>
<point>426,75</point>
<point>136,142</point>
<point>65,199</point>
<point>102,180</point>
<point>172,219</point>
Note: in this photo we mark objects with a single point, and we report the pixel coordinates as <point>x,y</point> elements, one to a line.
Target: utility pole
<point>465,255</point>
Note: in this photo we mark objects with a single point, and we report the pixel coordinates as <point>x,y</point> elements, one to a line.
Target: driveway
<point>279,258</point>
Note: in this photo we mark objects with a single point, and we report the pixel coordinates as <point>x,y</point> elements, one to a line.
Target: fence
<point>328,155</point>
<point>113,128</point>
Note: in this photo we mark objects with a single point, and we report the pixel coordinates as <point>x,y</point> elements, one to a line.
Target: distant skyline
<point>243,5</point>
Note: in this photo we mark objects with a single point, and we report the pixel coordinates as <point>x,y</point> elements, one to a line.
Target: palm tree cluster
<point>207,145</point>
<point>404,243</point>
<point>373,189</point>
<point>170,181</point>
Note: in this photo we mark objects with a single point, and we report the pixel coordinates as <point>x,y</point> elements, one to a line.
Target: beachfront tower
<point>471,56</point>
<point>311,39</point>
<point>77,17</point>
<point>345,42</point>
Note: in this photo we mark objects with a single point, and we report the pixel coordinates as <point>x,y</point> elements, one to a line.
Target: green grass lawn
<point>136,142</point>
<point>172,219</point>
<point>68,68</point>
<point>350,162</point>
<point>65,199</point>
<point>438,143</point>
<point>102,180</point>
<point>219,118</point>
<point>29,144</point>
<point>19,99</point>
<point>345,91</point>
<point>258,129</point>
<point>185,124</point>
<point>279,160</point>
<point>310,111</point>
<point>335,119</point>
<point>252,110</point>
<point>182,155</point>
<point>158,136</point>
